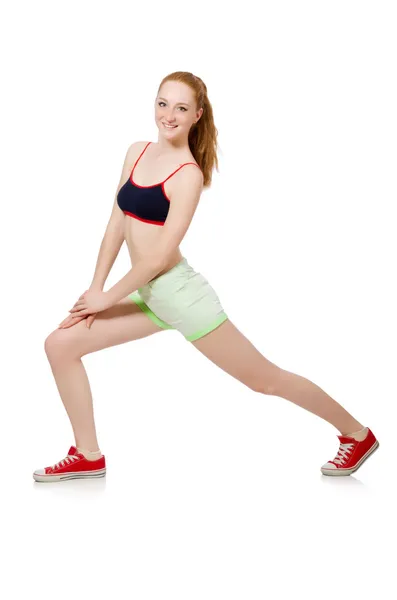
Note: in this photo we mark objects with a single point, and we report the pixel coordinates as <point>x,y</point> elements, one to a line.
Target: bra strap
<point>137,160</point>
<point>188,163</point>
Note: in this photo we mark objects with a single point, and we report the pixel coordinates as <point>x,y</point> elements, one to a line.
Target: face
<point>175,105</point>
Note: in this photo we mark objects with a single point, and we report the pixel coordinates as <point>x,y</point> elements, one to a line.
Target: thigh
<point>119,324</point>
<point>230,350</point>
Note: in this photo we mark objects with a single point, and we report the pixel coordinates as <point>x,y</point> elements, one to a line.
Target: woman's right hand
<point>70,321</point>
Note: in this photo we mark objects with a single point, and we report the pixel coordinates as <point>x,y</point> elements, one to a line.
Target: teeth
<point>170,126</point>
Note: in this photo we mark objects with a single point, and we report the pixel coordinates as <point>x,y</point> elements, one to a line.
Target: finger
<point>79,302</point>
<point>90,320</point>
<point>78,308</point>
<point>72,322</point>
<point>81,313</point>
<point>67,321</point>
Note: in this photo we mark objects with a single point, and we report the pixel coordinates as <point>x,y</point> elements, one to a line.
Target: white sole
<point>341,472</point>
<point>67,476</point>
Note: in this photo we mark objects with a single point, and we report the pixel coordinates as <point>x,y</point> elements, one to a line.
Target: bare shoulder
<point>134,151</point>
<point>131,157</point>
<point>192,173</point>
<point>189,180</point>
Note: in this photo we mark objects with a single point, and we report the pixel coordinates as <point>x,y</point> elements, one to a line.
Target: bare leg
<point>230,350</point>
<point>119,324</point>
<point>308,395</point>
<point>74,388</point>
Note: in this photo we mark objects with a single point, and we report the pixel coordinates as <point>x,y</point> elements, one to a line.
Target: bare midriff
<point>141,238</point>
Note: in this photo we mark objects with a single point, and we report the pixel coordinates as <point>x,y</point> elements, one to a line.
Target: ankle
<point>359,435</point>
<point>89,454</point>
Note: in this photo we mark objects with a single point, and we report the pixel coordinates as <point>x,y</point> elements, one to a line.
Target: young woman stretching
<point>158,193</point>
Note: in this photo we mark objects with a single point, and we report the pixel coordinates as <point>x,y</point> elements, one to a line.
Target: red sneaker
<point>73,466</point>
<point>351,455</point>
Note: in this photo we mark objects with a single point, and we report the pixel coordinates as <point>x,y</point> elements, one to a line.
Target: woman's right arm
<point>111,242</point>
<point>114,234</point>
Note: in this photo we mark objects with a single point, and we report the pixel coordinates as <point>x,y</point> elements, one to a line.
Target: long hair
<point>203,134</point>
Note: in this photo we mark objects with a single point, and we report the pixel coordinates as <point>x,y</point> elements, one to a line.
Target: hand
<point>70,321</point>
<point>73,319</point>
<point>92,301</point>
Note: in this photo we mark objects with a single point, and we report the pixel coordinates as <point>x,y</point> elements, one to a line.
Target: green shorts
<point>181,299</point>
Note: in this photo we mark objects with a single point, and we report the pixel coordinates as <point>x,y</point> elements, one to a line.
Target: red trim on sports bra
<point>188,163</point>
<point>143,220</point>
<point>164,192</point>
<point>161,182</point>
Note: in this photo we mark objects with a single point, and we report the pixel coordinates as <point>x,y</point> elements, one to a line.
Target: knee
<point>59,345</point>
<point>268,384</point>
<point>267,388</point>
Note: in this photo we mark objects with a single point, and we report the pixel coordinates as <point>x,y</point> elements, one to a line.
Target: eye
<point>161,102</point>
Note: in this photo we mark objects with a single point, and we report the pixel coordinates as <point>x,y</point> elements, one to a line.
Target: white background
<point>212,492</point>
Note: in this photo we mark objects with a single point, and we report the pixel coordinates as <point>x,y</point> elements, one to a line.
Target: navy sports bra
<point>148,203</point>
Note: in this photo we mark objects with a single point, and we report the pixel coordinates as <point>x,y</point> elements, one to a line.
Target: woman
<point>158,192</point>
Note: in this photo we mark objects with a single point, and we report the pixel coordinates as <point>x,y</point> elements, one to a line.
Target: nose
<point>169,117</point>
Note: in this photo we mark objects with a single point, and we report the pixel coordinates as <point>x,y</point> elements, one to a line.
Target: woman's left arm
<point>185,199</point>
<point>140,274</point>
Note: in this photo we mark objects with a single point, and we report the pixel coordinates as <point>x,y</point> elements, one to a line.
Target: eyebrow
<point>160,98</point>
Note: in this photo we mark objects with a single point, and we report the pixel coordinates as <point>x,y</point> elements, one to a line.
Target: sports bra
<point>147,203</point>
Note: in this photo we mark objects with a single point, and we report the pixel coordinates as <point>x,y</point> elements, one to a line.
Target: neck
<point>169,147</point>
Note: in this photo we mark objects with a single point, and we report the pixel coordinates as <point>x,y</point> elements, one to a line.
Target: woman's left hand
<point>92,301</point>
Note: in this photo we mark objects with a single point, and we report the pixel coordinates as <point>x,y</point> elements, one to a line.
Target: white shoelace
<point>65,461</point>
<point>343,453</point>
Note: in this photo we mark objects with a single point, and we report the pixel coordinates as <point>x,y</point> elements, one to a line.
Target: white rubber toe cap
<point>329,466</point>
<point>39,472</point>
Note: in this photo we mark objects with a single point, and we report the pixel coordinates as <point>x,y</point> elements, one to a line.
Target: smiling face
<point>176,106</point>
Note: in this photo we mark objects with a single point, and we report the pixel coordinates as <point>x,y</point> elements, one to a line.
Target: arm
<point>183,205</point>
<point>108,251</point>
<point>114,234</point>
